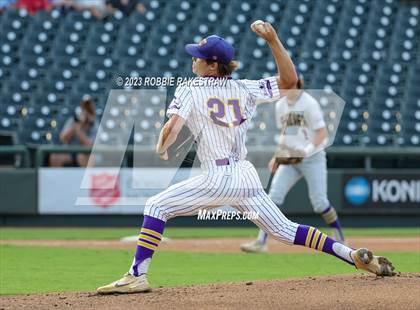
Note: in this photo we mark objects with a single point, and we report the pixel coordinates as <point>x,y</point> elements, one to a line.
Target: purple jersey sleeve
<point>181,104</point>
<point>263,90</point>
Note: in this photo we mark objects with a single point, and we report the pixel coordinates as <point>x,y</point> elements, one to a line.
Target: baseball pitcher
<point>220,115</point>
<point>303,134</point>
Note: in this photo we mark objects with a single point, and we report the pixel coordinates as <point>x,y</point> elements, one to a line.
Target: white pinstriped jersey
<point>299,120</point>
<point>219,115</point>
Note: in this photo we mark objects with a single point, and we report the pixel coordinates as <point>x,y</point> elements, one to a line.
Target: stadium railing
<point>17,156</point>
<point>339,157</point>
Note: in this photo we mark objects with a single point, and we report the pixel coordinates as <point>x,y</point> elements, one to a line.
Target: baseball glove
<point>286,155</point>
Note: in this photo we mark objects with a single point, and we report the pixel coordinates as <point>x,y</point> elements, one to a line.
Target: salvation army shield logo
<point>104,190</point>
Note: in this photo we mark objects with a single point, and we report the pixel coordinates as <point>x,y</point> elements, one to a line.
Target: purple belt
<point>222,162</point>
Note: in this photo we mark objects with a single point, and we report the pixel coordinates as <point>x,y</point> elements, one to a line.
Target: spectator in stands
<point>61,4</point>
<point>96,7</point>
<point>6,4</point>
<point>80,129</point>
<point>125,6</point>
<point>32,6</point>
<point>64,5</point>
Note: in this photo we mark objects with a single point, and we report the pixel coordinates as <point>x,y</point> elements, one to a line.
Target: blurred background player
<point>300,120</point>
<point>80,129</point>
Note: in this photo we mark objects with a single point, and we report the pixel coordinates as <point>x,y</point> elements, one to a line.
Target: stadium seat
<point>350,30</point>
<point>366,51</point>
<point>96,63</point>
<point>36,137</point>
<point>322,27</point>
<point>378,140</point>
<point>344,140</point>
<point>328,76</point>
<point>8,124</point>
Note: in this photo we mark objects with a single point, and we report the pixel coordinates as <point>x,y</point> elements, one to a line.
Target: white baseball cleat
<point>254,247</point>
<point>364,259</point>
<point>126,285</point>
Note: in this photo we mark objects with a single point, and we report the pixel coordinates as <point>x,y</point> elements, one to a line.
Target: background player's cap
<point>212,48</point>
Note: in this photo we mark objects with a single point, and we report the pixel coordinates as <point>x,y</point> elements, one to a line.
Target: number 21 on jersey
<point>217,109</point>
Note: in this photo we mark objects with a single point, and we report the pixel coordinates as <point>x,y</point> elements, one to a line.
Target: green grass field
<point>30,269</point>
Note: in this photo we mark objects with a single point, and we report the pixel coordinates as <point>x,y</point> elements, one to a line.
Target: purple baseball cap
<point>212,48</point>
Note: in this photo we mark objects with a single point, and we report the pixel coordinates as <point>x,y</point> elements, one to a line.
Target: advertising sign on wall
<point>103,190</point>
<point>381,190</point>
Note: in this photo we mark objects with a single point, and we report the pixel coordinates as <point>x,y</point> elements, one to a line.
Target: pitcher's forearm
<point>167,137</point>
<point>285,67</point>
<point>287,78</point>
<point>171,138</point>
<point>162,137</point>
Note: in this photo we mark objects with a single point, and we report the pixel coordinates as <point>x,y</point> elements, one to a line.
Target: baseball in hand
<point>258,23</point>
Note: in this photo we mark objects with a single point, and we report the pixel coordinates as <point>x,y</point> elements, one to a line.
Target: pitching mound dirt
<point>337,292</point>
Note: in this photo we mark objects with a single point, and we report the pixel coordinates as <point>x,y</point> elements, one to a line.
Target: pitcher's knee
<point>286,233</point>
<point>155,209</point>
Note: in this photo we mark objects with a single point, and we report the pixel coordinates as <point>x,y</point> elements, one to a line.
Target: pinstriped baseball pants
<point>236,184</point>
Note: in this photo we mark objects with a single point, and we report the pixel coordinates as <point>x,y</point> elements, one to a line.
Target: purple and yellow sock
<point>149,239</point>
<point>331,218</point>
<point>313,238</point>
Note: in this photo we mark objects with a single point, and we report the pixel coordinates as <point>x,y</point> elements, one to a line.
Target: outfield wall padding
<point>351,191</point>
<point>18,191</point>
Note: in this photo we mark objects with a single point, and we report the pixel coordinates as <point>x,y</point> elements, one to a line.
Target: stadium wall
<point>18,192</point>
<point>375,198</point>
